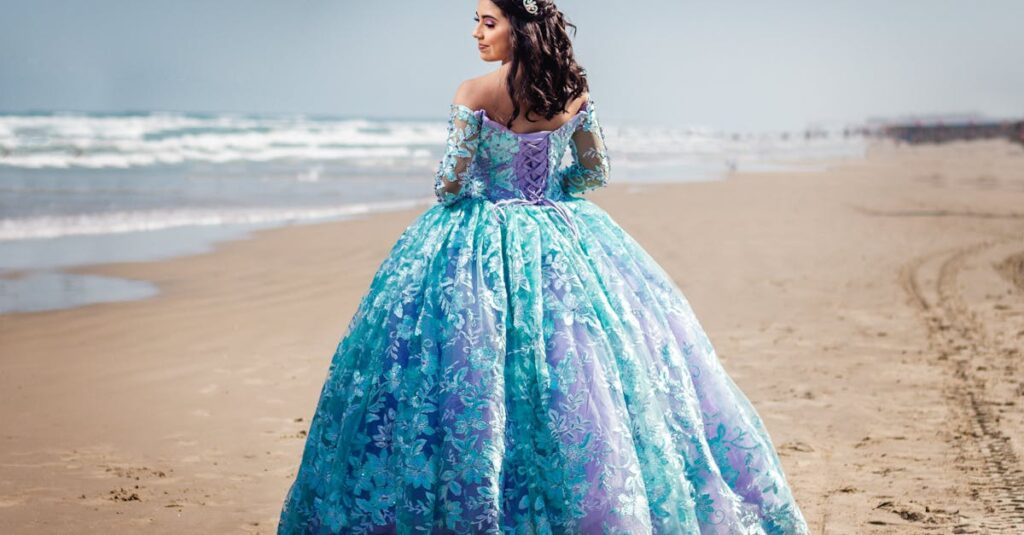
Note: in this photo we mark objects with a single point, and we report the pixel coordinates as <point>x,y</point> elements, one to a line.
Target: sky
<point>732,65</point>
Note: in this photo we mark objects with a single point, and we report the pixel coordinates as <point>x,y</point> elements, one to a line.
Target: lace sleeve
<point>590,168</point>
<point>453,171</point>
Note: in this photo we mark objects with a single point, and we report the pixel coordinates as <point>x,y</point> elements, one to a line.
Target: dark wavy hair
<point>542,54</point>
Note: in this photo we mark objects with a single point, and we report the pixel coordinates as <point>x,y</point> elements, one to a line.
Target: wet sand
<point>873,313</point>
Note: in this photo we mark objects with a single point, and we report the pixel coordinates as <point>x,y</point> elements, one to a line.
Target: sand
<point>872,310</point>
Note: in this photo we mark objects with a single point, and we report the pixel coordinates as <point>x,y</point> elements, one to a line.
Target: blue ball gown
<point>521,365</point>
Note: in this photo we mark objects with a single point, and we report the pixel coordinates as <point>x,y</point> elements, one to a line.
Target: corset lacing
<point>531,169</point>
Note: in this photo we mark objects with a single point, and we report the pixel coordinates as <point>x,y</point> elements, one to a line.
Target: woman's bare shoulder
<point>479,92</point>
<point>474,92</point>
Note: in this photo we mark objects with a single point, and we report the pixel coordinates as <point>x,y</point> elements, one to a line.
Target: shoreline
<point>41,256</point>
<point>36,277</point>
<point>839,300</point>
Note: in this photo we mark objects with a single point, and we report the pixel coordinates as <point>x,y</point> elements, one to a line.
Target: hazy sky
<point>749,65</point>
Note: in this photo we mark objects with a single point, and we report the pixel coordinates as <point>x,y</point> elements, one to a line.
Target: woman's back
<point>488,92</point>
<point>485,159</point>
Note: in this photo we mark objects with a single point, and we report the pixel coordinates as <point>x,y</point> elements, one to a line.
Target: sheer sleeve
<point>450,181</point>
<point>590,167</point>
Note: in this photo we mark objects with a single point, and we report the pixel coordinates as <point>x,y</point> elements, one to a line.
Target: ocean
<point>89,188</point>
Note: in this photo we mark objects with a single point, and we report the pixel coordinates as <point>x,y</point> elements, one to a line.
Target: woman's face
<point>492,32</point>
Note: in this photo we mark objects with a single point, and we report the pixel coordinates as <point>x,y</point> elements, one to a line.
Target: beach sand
<point>872,311</point>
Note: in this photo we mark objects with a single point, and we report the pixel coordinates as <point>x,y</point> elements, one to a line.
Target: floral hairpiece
<point>531,6</point>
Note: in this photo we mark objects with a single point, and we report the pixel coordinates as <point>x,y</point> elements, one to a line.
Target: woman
<point>519,363</point>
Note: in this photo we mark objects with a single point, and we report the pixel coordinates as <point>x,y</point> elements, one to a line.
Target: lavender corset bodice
<point>492,163</point>
<point>530,165</point>
<point>521,165</point>
<point>518,168</point>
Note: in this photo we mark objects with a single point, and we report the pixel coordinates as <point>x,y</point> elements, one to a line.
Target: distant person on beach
<point>519,363</point>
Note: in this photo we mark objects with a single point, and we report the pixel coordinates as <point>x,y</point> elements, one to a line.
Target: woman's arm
<point>462,141</point>
<point>590,168</point>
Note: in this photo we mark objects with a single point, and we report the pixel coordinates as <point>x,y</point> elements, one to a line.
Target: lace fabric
<point>462,141</point>
<point>506,373</point>
<point>590,168</point>
<point>460,175</point>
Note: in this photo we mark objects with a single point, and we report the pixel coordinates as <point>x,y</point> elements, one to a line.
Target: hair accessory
<point>531,6</point>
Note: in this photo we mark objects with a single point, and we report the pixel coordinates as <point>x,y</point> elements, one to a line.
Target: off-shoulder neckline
<point>486,118</point>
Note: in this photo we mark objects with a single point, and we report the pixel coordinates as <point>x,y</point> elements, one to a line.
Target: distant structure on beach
<point>940,129</point>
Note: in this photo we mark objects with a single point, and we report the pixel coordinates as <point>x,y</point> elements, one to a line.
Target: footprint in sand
<point>796,445</point>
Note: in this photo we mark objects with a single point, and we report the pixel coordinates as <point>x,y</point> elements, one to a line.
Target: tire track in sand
<point>963,343</point>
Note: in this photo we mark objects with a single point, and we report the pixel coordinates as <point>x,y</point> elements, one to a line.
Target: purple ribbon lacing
<point>531,170</point>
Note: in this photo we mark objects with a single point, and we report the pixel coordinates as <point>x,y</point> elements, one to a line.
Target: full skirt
<point>503,375</point>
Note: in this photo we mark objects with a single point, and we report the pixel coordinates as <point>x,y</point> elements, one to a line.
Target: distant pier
<point>941,132</point>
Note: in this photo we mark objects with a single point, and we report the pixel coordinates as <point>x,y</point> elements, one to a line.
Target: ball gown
<point>521,365</point>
